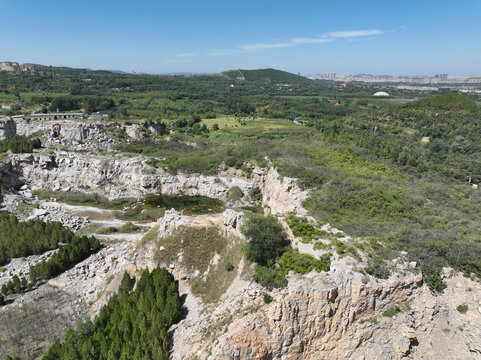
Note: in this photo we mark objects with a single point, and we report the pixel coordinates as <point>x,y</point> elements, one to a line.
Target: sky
<point>422,37</point>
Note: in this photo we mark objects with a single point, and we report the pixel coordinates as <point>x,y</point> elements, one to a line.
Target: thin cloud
<point>220,52</point>
<point>262,46</point>
<point>187,54</point>
<point>297,41</point>
<point>354,33</point>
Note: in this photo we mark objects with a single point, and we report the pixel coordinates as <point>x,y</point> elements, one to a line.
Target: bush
<point>255,194</point>
<point>235,193</point>
<point>19,144</point>
<point>304,263</point>
<point>267,298</point>
<point>270,278</point>
<point>463,309</point>
<point>229,266</point>
<point>267,240</point>
<point>301,228</point>
<point>129,228</point>
<point>392,311</point>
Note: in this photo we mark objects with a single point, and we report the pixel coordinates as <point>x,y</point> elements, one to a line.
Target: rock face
<point>312,319</point>
<point>282,195</point>
<point>7,128</point>
<point>117,177</point>
<point>23,68</point>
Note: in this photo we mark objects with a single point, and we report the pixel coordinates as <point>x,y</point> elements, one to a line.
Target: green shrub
<point>303,263</point>
<point>267,298</point>
<point>235,193</point>
<point>391,311</point>
<point>229,266</point>
<point>267,240</point>
<point>319,245</point>
<point>270,277</point>
<point>126,228</point>
<point>463,309</point>
<point>255,194</point>
<point>19,144</point>
<point>340,247</point>
<point>301,228</point>
<point>129,228</point>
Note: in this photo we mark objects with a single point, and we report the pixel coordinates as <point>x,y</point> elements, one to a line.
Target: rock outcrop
<point>123,177</point>
<point>317,318</point>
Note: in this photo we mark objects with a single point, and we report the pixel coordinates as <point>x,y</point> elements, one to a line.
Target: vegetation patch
<point>133,324</point>
<point>207,254</point>
<point>19,144</point>
<point>189,205</point>
<point>301,228</point>
<point>266,239</point>
<point>84,199</point>
<point>304,263</point>
<point>20,239</point>
<point>235,193</point>
<point>126,228</point>
<point>391,311</point>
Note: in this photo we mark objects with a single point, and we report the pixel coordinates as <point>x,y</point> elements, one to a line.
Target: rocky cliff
<point>122,177</point>
<point>339,317</point>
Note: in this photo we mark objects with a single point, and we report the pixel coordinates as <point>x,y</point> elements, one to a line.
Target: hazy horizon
<point>344,37</point>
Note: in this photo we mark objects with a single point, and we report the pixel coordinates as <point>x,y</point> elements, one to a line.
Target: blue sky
<point>345,37</point>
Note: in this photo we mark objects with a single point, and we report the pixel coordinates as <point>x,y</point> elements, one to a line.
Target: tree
<point>126,284</point>
<point>17,286</point>
<point>267,240</point>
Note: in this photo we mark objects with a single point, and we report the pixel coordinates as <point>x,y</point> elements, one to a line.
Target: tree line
<point>133,325</point>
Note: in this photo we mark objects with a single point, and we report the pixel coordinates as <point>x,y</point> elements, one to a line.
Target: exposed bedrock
<point>117,177</point>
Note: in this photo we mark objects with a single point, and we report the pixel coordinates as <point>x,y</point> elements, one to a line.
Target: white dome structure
<point>381,94</point>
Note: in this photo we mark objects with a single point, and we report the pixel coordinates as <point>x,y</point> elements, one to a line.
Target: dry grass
<point>198,247</point>
<point>151,235</point>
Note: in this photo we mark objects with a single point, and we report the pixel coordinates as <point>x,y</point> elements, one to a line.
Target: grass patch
<point>124,229</point>
<point>235,193</point>
<point>84,199</point>
<point>153,207</point>
<point>149,236</point>
<point>391,311</point>
<point>199,246</point>
<point>190,205</point>
<point>301,228</point>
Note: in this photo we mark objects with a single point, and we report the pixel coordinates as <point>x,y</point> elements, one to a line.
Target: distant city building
<point>419,80</point>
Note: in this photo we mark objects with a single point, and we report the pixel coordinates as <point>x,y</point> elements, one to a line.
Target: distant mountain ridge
<point>265,75</point>
<point>260,75</point>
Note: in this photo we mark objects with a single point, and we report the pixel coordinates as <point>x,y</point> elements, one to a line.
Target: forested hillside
<point>133,325</point>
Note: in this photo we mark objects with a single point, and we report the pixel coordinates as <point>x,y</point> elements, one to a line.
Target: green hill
<point>265,75</point>
<point>447,102</point>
